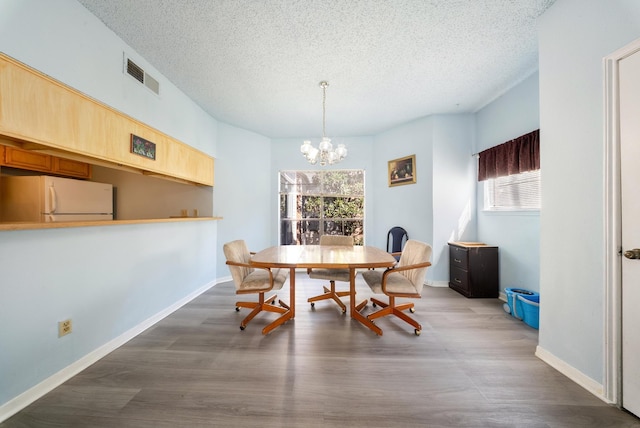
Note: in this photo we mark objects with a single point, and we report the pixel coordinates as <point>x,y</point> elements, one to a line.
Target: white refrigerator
<point>54,199</point>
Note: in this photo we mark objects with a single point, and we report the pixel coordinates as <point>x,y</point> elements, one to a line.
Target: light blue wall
<point>409,206</point>
<point>107,279</point>
<point>574,37</point>
<point>243,194</point>
<point>517,234</point>
<point>454,208</point>
<point>440,206</point>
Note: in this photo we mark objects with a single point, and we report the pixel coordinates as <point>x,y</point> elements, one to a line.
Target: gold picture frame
<point>402,171</point>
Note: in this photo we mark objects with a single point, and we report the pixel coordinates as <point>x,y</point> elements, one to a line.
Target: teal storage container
<point>513,305</point>
<point>530,309</point>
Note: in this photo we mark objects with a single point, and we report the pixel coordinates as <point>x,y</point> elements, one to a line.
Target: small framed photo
<point>143,147</point>
<point>402,171</point>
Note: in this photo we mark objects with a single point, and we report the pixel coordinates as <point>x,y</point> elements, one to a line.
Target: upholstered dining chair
<point>252,280</point>
<point>405,279</point>
<point>332,275</point>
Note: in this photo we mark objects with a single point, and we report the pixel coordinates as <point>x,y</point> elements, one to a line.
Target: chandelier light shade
<point>325,153</point>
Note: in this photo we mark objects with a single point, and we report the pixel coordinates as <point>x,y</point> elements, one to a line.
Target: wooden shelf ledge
<point>31,226</point>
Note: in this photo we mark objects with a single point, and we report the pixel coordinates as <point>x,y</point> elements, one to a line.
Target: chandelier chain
<point>324,99</point>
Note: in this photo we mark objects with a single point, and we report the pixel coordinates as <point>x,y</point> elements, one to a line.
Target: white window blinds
<point>513,192</point>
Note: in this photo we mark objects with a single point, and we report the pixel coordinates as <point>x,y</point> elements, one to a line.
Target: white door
<point>629,69</point>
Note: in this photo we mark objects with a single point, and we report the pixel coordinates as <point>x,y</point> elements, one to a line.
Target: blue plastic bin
<point>515,306</point>
<point>530,309</point>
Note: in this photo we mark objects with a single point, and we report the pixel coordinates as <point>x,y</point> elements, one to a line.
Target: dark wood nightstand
<point>473,269</point>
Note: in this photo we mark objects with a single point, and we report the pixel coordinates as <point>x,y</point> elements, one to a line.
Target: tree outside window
<point>316,203</point>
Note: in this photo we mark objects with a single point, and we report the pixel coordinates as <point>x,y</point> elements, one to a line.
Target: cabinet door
<point>41,162</point>
<point>27,160</point>
<point>71,168</point>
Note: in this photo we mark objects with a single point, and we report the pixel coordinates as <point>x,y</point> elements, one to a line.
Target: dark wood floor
<point>473,366</point>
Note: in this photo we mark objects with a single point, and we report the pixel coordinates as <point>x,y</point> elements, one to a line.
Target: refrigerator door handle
<point>52,195</point>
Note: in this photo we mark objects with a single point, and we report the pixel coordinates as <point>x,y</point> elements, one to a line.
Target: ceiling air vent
<point>135,71</point>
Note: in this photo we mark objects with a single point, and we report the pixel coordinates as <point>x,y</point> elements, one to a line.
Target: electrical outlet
<point>64,327</point>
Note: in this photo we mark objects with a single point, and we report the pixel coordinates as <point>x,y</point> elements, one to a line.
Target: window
<point>513,192</point>
<point>511,172</point>
<point>315,203</point>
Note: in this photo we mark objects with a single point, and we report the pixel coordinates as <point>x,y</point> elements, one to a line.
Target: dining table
<point>294,257</point>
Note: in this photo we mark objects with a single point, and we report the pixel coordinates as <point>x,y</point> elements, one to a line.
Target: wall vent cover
<point>151,83</point>
<point>134,70</point>
<point>138,73</point>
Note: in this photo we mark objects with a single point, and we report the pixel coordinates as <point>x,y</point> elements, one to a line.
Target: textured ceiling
<point>257,64</point>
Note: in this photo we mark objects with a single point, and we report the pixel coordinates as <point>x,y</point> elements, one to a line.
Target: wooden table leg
<point>292,291</point>
<point>355,314</point>
<point>291,312</point>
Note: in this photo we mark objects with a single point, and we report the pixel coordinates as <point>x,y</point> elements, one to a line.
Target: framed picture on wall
<point>402,171</point>
<point>143,147</point>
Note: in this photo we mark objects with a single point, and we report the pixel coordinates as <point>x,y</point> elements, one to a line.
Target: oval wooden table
<point>327,257</point>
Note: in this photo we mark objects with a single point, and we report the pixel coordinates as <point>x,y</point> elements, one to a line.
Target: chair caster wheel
<point>412,310</point>
<point>417,332</point>
<point>313,304</point>
<point>344,311</point>
<point>242,327</point>
<point>237,309</point>
<point>373,304</point>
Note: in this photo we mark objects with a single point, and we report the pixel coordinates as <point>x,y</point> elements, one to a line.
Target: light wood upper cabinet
<point>36,108</point>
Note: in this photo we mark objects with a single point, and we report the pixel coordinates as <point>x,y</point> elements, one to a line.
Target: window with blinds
<point>513,192</point>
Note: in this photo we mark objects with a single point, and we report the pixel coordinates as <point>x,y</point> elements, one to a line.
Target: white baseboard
<point>18,403</point>
<point>444,284</point>
<point>572,373</point>
<point>224,279</point>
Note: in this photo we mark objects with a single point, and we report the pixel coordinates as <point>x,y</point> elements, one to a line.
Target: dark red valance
<point>513,157</point>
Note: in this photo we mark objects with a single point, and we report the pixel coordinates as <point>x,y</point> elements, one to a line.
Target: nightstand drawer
<point>458,257</point>
<point>459,278</point>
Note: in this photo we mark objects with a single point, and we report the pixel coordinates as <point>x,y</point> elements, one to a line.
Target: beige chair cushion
<point>396,282</point>
<point>333,274</point>
<point>330,274</point>
<point>247,278</point>
<point>258,280</point>
<point>408,281</point>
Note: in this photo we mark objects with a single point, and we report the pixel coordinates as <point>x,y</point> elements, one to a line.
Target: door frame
<point>612,376</point>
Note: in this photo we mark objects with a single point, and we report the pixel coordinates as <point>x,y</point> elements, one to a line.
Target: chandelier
<point>325,153</point>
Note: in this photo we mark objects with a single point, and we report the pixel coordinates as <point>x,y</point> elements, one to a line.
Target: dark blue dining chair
<point>396,238</point>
